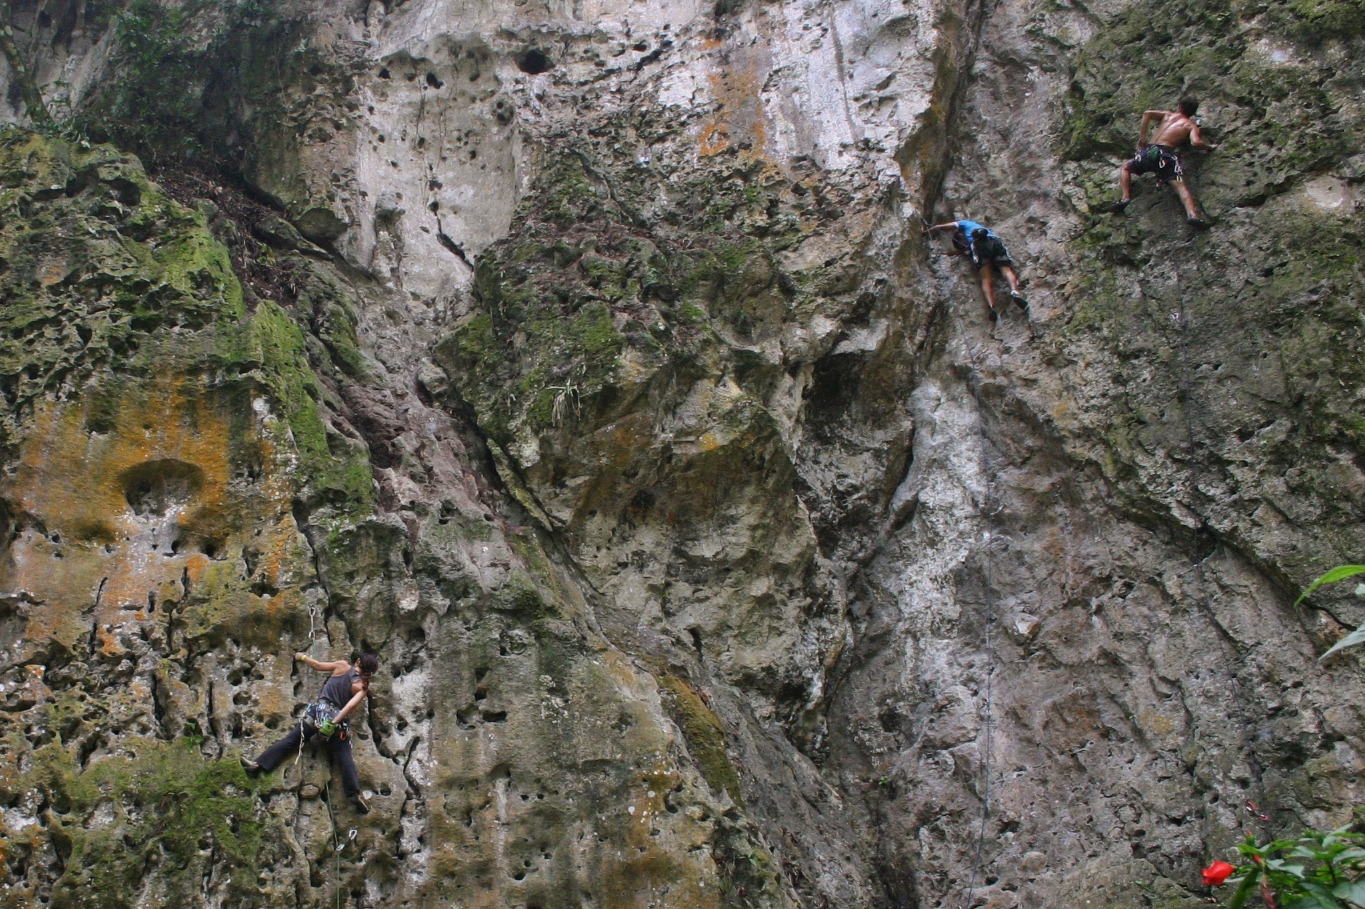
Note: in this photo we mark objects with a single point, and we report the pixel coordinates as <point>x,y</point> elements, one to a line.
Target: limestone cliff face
<point>589,363</point>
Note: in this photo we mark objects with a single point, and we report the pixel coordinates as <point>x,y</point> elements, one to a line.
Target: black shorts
<point>991,250</point>
<point>1159,160</point>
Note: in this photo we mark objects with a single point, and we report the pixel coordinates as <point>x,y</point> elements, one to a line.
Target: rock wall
<point>589,363</point>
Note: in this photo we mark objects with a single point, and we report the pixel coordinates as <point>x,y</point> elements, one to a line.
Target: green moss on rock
<point>273,344</point>
<point>1277,120</point>
<point>166,807</point>
<point>705,736</point>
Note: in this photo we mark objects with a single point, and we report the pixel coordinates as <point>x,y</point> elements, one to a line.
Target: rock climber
<point>987,252</point>
<point>328,720</point>
<point>1174,129</point>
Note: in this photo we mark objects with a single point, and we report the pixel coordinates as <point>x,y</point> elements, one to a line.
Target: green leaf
<point>1248,884</point>
<point>1322,895</point>
<point>1341,572</point>
<point>1351,891</point>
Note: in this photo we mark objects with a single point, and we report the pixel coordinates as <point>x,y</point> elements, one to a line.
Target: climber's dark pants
<point>279,752</point>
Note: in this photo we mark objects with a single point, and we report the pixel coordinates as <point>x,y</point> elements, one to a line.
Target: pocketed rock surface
<point>590,364</point>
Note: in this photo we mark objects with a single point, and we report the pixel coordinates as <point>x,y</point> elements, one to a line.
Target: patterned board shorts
<point>1159,160</point>
<point>991,250</point>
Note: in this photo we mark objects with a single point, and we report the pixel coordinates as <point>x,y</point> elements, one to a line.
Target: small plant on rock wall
<point>1313,871</point>
<point>1340,573</point>
<point>565,402</point>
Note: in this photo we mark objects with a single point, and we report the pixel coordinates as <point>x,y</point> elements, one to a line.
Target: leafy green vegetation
<point>1312,871</point>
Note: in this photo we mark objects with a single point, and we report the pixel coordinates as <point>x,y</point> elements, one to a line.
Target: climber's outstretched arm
<point>333,666</point>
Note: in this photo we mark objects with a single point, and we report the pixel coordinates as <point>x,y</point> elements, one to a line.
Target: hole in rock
<point>433,81</point>
<point>534,62</point>
<point>157,487</point>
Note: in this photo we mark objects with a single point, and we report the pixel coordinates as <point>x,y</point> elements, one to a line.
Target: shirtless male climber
<point>1174,129</point>
<point>987,252</point>
<point>328,720</point>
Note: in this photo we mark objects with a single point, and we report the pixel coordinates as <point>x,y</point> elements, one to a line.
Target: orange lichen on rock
<point>124,513</point>
<point>740,118</point>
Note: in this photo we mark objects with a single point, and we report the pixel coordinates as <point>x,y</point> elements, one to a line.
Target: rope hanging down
<point>988,538</point>
<point>312,637</point>
<point>1181,320</point>
<point>337,844</point>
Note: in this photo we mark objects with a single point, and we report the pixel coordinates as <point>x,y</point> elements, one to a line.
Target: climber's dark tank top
<point>338,687</point>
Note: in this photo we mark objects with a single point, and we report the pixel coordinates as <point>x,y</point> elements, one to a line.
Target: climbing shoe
<point>1199,223</point>
<point>992,314</point>
<point>360,803</point>
<point>1116,208</point>
<point>1017,297</point>
<point>251,767</point>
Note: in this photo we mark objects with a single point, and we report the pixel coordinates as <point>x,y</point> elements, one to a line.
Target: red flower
<point>1217,873</point>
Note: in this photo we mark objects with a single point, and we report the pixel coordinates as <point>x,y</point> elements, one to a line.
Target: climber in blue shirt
<point>987,252</point>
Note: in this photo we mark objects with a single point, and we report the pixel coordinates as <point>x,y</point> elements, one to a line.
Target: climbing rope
<point>336,847</point>
<point>988,538</point>
<point>312,638</point>
<point>1182,323</point>
<point>337,844</point>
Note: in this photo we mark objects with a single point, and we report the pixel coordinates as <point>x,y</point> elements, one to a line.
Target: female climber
<point>328,720</point>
